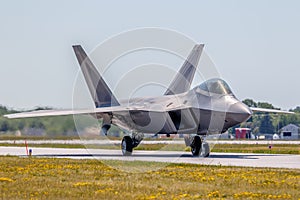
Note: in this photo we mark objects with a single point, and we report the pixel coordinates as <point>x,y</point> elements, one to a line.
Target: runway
<point>223,159</point>
<point>117,142</point>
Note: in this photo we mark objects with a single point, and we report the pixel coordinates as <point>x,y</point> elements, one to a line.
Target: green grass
<point>49,178</point>
<point>258,148</point>
<point>61,137</point>
<point>12,137</point>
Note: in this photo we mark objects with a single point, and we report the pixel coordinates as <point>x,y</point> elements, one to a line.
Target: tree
<point>296,110</point>
<point>266,125</point>
<point>4,126</point>
<point>3,110</point>
<point>250,103</point>
<point>266,105</point>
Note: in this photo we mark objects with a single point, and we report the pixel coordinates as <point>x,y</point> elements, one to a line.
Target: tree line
<point>55,126</point>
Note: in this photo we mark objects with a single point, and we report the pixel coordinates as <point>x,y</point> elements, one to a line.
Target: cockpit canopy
<point>216,86</point>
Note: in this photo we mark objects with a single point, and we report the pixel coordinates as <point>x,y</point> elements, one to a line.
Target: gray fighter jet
<point>209,108</point>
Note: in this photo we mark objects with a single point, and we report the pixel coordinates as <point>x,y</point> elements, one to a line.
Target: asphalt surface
<point>223,159</point>
<point>175,141</point>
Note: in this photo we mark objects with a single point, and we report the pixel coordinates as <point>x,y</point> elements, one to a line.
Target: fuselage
<point>208,108</point>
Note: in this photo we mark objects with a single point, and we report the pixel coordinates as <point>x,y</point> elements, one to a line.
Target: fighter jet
<point>209,108</point>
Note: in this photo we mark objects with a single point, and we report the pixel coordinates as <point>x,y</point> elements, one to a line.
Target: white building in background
<point>290,132</point>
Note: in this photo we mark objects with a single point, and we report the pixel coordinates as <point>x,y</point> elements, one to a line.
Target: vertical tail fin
<point>100,92</point>
<point>183,80</point>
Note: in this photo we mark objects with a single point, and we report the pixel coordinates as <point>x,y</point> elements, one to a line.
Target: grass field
<point>230,148</point>
<point>258,148</point>
<point>13,137</point>
<point>40,178</point>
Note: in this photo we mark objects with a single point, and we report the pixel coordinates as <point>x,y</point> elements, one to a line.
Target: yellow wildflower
<point>6,179</point>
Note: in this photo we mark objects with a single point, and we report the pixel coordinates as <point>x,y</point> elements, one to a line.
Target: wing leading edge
<point>100,111</point>
<point>270,110</point>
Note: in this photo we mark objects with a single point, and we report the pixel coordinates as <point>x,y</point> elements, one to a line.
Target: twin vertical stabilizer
<point>183,79</point>
<point>101,94</point>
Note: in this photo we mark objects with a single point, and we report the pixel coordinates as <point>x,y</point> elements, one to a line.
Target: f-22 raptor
<point>208,108</point>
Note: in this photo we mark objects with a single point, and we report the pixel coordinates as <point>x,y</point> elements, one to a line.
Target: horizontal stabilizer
<point>101,94</point>
<point>183,79</point>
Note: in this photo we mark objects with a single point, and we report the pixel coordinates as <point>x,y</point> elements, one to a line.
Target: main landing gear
<point>198,146</point>
<point>130,142</point>
<point>127,146</point>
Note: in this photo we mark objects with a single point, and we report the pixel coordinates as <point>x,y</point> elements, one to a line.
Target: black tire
<point>196,146</point>
<point>127,146</point>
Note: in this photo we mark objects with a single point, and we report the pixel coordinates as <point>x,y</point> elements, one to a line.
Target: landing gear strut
<point>205,150</point>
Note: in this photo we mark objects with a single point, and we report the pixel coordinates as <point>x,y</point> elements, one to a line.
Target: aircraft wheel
<point>196,146</point>
<point>205,151</point>
<point>126,146</point>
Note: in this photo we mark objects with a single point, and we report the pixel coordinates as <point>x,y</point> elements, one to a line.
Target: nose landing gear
<point>198,146</point>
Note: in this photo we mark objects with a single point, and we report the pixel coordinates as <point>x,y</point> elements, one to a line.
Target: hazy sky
<point>254,44</point>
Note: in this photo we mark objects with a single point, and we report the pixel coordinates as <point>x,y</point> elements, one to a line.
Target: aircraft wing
<point>46,113</point>
<point>270,110</point>
<point>49,113</point>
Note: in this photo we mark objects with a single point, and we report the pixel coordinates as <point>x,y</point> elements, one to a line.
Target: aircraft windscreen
<point>217,86</point>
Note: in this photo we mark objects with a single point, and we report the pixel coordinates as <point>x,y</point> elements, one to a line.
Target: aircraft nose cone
<point>240,112</point>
